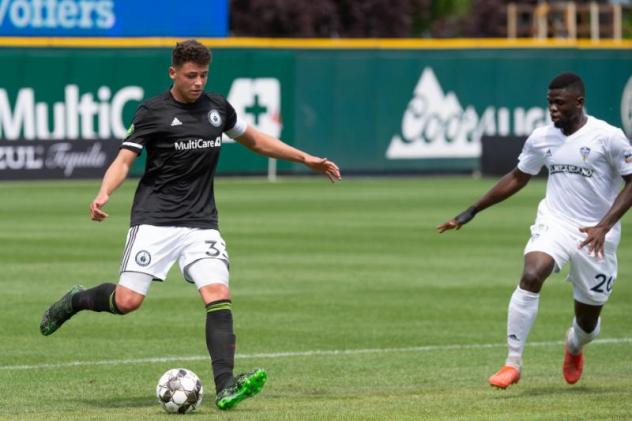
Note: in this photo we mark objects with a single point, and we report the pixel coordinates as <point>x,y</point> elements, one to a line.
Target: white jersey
<point>585,169</point>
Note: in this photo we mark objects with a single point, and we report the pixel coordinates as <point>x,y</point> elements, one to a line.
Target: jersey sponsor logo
<point>176,122</point>
<point>80,116</point>
<point>584,151</point>
<point>570,169</point>
<point>626,108</point>
<point>214,118</point>
<point>436,125</point>
<point>143,258</point>
<point>191,144</point>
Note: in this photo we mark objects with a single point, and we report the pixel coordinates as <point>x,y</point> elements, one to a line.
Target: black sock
<point>220,341</point>
<point>99,298</point>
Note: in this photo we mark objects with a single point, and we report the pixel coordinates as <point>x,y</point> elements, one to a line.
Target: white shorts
<point>592,278</point>
<point>152,250</point>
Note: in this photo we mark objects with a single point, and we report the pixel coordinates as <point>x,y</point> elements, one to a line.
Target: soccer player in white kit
<point>576,223</point>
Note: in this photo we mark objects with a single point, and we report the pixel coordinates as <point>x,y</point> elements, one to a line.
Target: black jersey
<point>183,143</point>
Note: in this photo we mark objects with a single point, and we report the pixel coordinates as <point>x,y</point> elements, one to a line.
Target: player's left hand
<point>325,166</point>
<point>595,240</point>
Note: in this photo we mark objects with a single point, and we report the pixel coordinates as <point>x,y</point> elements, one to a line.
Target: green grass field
<point>344,293</point>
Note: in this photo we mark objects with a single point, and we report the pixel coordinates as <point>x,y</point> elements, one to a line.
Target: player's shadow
<point>143,402</point>
<point>128,402</point>
<point>556,390</point>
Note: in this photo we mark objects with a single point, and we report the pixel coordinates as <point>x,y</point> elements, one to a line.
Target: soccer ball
<point>179,391</point>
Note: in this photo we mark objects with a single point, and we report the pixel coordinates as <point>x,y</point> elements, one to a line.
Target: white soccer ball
<point>179,390</point>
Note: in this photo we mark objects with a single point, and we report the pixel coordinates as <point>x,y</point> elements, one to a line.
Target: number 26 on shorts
<point>604,284</point>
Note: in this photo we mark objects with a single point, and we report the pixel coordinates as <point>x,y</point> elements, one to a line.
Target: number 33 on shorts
<point>216,249</point>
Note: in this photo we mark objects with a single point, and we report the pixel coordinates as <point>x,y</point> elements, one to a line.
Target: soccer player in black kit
<point>174,215</point>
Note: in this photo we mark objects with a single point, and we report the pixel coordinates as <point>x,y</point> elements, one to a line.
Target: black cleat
<point>59,312</point>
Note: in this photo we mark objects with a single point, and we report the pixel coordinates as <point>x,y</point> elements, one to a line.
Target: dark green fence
<point>371,109</point>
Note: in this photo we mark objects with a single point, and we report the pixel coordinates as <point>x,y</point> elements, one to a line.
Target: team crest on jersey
<point>548,153</point>
<point>585,151</point>
<point>143,258</point>
<point>214,118</point>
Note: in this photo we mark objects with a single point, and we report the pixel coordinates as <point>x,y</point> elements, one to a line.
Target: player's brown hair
<point>190,50</point>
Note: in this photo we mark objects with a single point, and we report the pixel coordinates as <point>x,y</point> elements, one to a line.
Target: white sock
<point>523,307</point>
<point>577,338</point>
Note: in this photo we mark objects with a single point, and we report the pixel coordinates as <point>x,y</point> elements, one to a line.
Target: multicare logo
<point>192,144</point>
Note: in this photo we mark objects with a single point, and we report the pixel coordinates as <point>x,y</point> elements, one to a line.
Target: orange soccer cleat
<point>505,377</point>
<point>573,366</point>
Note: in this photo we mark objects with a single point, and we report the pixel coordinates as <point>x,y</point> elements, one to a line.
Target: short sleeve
<point>531,158</point>
<point>620,152</point>
<point>234,126</point>
<point>139,131</point>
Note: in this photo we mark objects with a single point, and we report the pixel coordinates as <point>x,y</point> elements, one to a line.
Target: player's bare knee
<point>587,323</point>
<point>127,304</point>
<point>127,300</point>
<point>214,292</point>
<point>531,280</point>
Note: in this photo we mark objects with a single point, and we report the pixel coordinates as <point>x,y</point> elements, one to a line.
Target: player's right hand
<point>451,224</point>
<point>96,213</point>
<point>458,221</point>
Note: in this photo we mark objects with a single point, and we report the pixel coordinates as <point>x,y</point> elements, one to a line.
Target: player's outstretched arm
<point>509,184</point>
<point>596,235</point>
<point>272,147</point>
<point>113,178</point>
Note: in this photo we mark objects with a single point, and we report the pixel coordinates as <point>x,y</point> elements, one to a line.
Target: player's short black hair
<point>568,80</point>
<point>190,50</point>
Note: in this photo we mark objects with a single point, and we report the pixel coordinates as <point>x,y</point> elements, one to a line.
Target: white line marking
<point>429,348</point>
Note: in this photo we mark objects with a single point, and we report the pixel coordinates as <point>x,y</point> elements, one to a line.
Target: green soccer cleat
<point>59,312</point>
<point>245,386</point>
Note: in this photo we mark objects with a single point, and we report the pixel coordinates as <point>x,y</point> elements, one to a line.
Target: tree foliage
<point>330,18</point>
<point>373,18</point>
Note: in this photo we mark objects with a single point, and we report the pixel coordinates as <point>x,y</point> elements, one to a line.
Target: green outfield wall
<point>371,107</point>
